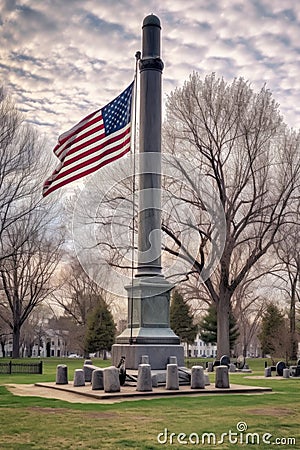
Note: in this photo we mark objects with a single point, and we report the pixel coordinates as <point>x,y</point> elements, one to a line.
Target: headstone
<point>97,379</point>
<point>197,378</point>
<point>61,374</point>
<point>172,381</point>
<point>225,361</point>
<point>172,359</point>
<point>222,377</point>
<point>144,380</point>
<point>232,367</point>
<point>88,362</point>
<point>210,366</point>
<point>279,368</point>
<point>294,371</point>
<point>88,370</point>
<point>145,359</point>
<point>78,378</point>
<point>216,363</point>
<point>240,362</point>
<point>111,379</point>
<point>286,373</point>
<point>268,372</point>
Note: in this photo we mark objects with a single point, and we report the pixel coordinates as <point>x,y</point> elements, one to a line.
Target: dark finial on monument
<point>151,20</point>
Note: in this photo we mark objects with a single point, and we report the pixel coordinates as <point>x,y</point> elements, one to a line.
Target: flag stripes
<point>93,142</point>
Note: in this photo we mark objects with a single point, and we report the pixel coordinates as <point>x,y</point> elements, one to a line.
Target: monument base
<point>158,354</point>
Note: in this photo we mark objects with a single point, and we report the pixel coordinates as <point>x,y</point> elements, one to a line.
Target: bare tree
<point>25,275</point>
<point>30,239</point>
<point>288,272</point>
<point>20,156</point>
<point>237,140</point>
<point>78,293</point>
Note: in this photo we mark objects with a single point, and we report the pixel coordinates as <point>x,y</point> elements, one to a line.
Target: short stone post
<point>88,371</point>
<point>197,378</point>
<point>78,378</point>
<point>111,379</point>
<point>144,380</point>
<point>286,373</point>
<point>154,380</point>
<point>206,378</point>
<point>268,372</point>
<point>210,366</point>
<point>172,381</point>
<point>172,359</point>
<point>61,374</point>
<point>97,379</point>
<point>222,377</point>
<point>88,362</point>
<point>145,359</point>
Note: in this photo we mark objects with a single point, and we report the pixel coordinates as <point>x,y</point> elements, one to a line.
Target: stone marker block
<point>197,378</point>
<point>97,379</point>
<point>88,362</point>
<point>210,366</point>
<point>88,371</point>
<point>78,378</point>
<point>268,372</point>
<point>222,377</point>
<point>172,381</point>
<point>61,374</point>
<point>206,378</point>
<point>144,380</point>
<point>145,359</point>
<point>154,380</point>
<point>111,379</point>
<point>286,373</point>
<point>172,359</point>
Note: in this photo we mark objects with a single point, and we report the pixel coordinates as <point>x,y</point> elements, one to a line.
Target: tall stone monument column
<point>148,331</point>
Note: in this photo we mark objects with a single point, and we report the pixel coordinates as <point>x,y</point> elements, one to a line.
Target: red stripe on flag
<point>86,172</point>
<point>94,141</point>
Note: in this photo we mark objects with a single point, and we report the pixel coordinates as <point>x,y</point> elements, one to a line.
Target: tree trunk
<point>223,312</point>
<point>293,339</point>
<point>3,348</point>
<point>16,341</point>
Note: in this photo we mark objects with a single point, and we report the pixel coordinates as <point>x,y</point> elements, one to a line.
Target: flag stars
<point>116,114</point>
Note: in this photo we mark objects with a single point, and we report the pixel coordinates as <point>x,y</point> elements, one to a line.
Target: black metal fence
<point>17,367</point>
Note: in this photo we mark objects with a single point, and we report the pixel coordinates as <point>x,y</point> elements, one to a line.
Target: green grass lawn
<point>40,423</point>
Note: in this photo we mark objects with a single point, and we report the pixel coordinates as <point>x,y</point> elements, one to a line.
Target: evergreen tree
<point>272,332</point>
<point>208,327</point>
<point>101,329</point>
<point>181,319</point>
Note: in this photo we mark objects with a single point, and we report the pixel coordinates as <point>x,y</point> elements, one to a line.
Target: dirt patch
<point>271,412</point>
<point>91,414</point>
<point>29,390</point>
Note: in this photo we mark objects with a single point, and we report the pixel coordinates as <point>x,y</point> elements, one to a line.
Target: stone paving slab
<point>130,392</point>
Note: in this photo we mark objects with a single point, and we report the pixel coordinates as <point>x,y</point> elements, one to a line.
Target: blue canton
<point>116,114</point>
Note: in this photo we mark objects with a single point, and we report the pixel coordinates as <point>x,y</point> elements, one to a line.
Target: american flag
<point>98,139</point>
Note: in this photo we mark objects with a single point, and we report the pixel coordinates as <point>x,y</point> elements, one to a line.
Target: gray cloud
<point>61,60</point>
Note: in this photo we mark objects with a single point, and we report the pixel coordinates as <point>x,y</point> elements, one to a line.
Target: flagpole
<point>137,58</point>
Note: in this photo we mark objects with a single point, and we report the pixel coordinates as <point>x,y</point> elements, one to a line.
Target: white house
<point>200,349</point>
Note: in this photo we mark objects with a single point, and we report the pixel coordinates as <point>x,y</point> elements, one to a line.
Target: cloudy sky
<point>62,59</point>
